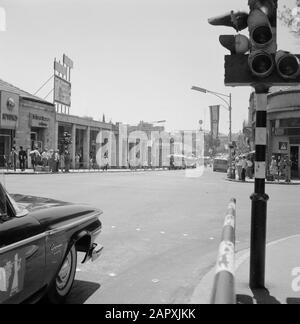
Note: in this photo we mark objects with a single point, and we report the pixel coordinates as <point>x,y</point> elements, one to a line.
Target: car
<point>39,242</point>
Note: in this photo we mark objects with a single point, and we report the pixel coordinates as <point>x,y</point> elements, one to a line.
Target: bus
<point>221,164</point>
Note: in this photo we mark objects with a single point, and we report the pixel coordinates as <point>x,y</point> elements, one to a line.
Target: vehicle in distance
<point>220,164</point>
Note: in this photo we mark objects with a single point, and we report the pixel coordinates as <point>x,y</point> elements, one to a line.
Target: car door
<point>22,259</point>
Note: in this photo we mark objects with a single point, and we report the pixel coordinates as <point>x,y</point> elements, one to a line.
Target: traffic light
<point>255,59</point>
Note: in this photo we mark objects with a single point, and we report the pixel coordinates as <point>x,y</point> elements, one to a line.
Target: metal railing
<point>224,284</point>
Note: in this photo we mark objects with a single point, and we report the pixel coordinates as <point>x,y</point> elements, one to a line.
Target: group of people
<point>243,167</point>
<point>53,160</point>
<point>17,157</point>
<point>280,168</point>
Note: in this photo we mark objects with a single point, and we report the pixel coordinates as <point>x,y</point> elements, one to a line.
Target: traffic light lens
<point>289,66</point>
<point>262,35</point>
<point>261,64</point>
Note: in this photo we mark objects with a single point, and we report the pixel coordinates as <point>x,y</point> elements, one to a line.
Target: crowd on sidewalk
<point>279,168</point>
<point>51,161</point>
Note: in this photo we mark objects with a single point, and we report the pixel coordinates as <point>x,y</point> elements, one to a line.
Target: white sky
<point>134,59</point>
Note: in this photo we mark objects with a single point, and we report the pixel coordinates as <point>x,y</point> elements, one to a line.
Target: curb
<point>267,182</point>
<point>80,172</point>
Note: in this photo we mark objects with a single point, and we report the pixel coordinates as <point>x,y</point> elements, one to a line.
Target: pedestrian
<point>244,168</point>
<point>13,159</point>
<point>239,167</point>
<point>62,162</point>
<point>67,161</point>
<point>105,164</point>
<point>249,169</point>
<point>22,159</point>
<point>287,169</point>
<point>51,161</point>
<point>77,161</point>
<point>279,168</point>
<point>35,157</point>
<point>56,160</point>
<point>45,157</point>
<point>273,168</point>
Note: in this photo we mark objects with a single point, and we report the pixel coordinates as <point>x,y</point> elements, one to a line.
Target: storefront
<point>283,116</point>
<point>9,121</point>
<point>25,120</point>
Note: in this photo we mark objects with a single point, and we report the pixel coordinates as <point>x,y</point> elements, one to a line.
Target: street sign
<point>283,146</point>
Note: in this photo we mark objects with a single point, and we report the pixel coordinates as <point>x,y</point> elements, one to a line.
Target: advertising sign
<point>67,61</point>
<point>215,117</point>
<point>39,121</point>
<point>9,110</point>
<point>62,91</point>
<point>58,67</point>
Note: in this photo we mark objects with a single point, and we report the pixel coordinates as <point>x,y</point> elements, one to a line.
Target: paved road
<point>161,229</point>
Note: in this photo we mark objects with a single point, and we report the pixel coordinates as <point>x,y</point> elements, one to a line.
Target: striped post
<point>259,198</point>
<point>224,285</point>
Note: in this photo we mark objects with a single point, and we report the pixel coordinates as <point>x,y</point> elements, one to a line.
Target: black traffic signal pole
<point>259,198</point>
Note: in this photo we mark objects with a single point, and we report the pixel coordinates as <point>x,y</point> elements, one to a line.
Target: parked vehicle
<point>39,241</point>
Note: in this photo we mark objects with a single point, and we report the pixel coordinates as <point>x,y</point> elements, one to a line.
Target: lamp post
<point>228,103</point>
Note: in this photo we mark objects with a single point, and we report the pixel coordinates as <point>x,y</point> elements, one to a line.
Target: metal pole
<point>230,137</point>
<point>230,117</point>
<point>259,198</point>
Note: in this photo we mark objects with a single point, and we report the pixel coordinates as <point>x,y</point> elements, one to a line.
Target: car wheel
<point>63,283</point>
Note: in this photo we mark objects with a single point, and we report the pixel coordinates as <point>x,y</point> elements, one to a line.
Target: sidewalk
<point>283,183</point>
<point>282,276</point>
<point>31,172</point>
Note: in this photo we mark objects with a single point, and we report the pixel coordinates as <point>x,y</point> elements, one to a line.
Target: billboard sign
<point>62,91</point>
<point>58,67</point>
<point>68,62</point>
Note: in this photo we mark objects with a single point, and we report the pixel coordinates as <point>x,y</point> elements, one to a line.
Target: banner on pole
<point>215,118</point>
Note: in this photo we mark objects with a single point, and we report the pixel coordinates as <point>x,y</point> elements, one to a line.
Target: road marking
<point>155,281</point>
<point>112,275</point>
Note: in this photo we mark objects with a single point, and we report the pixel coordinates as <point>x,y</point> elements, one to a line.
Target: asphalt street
<point>161,230</point>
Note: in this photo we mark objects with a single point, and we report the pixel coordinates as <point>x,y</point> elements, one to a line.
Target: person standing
<point>273,168</point>
<point>67,161</point>
<point>35,156</point>
<point>106,164</point>
<point>13,159</point>
<point>239,167</point>
<point>56,159</point>
<point>22,159</point>
<point>249,168</point>
<point>244,168</point>
<point>62,162</point>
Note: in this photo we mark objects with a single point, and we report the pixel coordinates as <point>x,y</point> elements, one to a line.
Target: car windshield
<point>20,210</point>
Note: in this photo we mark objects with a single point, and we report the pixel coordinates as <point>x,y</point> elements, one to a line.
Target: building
<point>29,121</point>
<point>26,120</point>
<point>283,125</point>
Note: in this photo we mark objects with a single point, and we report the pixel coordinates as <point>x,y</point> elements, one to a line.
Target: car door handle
<point>32,250</point>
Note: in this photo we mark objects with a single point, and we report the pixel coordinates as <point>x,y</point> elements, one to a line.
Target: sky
<point>133,59</point>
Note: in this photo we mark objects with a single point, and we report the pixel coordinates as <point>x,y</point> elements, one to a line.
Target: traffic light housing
<point>256,60</point>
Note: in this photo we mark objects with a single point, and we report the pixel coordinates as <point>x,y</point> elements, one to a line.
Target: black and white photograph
<point>149,155</point>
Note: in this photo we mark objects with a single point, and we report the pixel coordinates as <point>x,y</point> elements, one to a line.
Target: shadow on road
<point>260,297</point>
<point>82,291</point>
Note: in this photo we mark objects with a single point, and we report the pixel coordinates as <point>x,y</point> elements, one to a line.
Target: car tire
<point>63,283</point>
